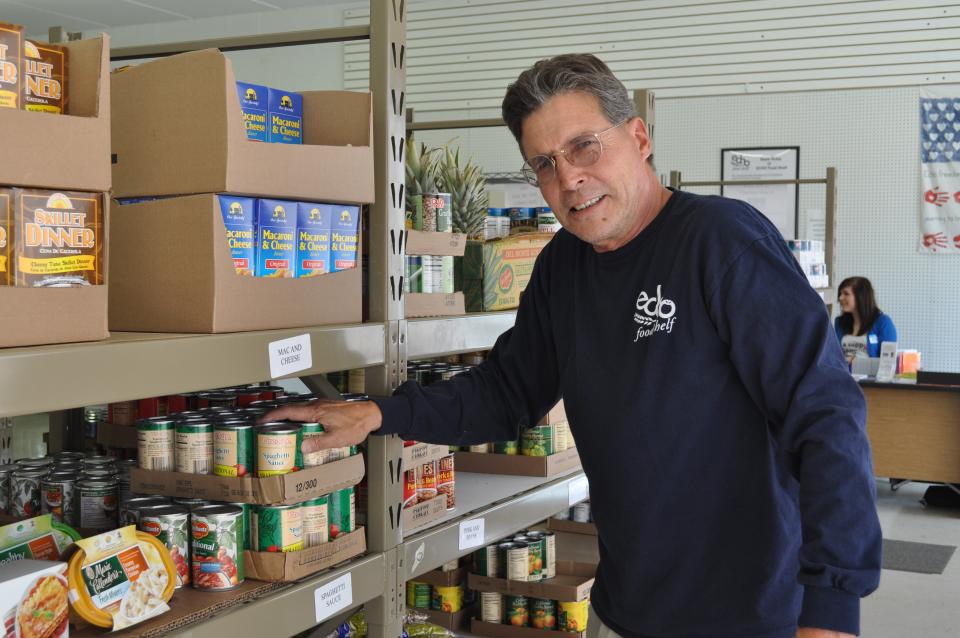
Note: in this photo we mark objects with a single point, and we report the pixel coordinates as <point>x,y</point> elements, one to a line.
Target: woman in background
<point>861,327</point>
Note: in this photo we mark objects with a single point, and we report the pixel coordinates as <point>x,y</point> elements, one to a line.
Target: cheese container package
<point>120,578</point>
<point>33,599</point>
<point>38,538</point>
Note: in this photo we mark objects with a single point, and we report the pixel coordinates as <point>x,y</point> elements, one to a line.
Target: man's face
<point>604,204</point>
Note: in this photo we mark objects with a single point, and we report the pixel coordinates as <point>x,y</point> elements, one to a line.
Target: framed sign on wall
<point>779,202</point>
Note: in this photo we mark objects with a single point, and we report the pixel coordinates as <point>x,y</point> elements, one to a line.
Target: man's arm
<point>788,358</point>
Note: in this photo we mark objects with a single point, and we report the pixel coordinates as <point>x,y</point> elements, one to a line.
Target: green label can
<point>171,526</point>
<point>543,613</point>
<point>485,561</point>
<point>418,595</point>
<point>278,449</point>
<point>513,560</point>
<point>516,610</point>
<point>96,504</point>
<point>217,547</point>
<point>316,521</point>
<point>538,553</point>
<point>233,448</point>
<point>437,213</point>
<point>313,458</point>
<point>245,524</point>
<point>194,447</point>
<point>537,441</point>
<point>277,528</point>
<point>506,447</point>
<point>343,512</point>
<point>491,607</point>
<point>156,443</point>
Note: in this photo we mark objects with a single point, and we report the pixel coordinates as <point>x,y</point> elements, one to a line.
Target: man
<point>724,439</point>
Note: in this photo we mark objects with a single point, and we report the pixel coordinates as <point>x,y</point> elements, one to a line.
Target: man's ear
<point>638,130</point>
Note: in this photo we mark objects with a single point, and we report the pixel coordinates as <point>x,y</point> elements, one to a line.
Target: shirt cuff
<point>395,412</point>
<point>833,609</point>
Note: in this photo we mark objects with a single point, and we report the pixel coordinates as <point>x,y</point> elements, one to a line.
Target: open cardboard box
<point>440,578</point>
<point>572,527</point>
<point>443,244</point>
<point>572,583</point>
<point>493,630</point>
<point>556,414</point>
<point>421,453</point>
<point>183,279</point>
<point>517,464</point>
<point>495,273</point>
<point>423,514</point>
<point>69,151</point>
<point>285,489</point>
<point>178,128</point>
<point>434,304</point>
<point>455,621</point>
<point>290,566</point>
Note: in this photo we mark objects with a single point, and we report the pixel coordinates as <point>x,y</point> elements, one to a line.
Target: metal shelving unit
<point>440,336</point>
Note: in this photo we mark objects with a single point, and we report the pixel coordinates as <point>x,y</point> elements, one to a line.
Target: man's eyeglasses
<point>580,151</point>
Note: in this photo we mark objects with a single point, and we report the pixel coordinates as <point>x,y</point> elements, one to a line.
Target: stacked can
<point>497,223</point>
<point>547,221</point>
<point>446,481</point>
<point>427,481</point>
<point>436,272</point>
<point>523,220</point>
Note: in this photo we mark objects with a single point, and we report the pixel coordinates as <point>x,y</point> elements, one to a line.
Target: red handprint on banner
<point>956,197</point>
<point>934,241</point>
<point>956,241</point>
<point>936,197</point>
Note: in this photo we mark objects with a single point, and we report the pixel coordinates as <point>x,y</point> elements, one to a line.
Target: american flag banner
<point>939,170</point>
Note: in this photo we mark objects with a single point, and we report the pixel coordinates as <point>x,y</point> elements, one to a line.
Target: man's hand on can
<point>344,422</point>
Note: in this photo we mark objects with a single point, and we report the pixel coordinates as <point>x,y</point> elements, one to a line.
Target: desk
<point>914,431</point>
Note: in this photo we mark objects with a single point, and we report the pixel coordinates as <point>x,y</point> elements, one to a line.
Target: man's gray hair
<point>562,74</point>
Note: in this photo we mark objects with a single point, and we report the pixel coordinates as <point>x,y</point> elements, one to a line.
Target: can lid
<point>217,510</point>
<point>97,482</point>
<point>166,510</point>
<point>29,472</point>
<point>60,475</point>
<point>234,424</point>
<point>137,501</point>
<point>261,508</point>
<point>278,427</point>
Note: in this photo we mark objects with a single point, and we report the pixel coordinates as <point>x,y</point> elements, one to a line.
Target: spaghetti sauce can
<point>278,446</point>
<point>277,528</point>
<point>233,448</point>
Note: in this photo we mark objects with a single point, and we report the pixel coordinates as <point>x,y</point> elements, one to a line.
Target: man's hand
<point>810,632</point>
<point>344,422</point>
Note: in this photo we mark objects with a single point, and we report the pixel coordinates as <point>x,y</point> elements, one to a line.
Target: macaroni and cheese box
<point>6,237</point>
<point>285,112</point>
<point>238,214</point>
<point>313,239</point>
<point>253,104</point>
<point>11,65</point>
<point>44,77</point>
<point>343,237</point>
<point>276,222</point>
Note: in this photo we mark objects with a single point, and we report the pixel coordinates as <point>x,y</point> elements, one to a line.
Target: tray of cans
<point>429,486</point>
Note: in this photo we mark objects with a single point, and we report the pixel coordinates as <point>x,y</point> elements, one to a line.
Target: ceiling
<point>99,15</point>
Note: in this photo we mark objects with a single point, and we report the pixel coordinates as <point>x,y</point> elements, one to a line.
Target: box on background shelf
<point>495,273</point>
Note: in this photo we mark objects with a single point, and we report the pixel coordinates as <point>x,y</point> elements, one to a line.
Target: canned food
<point>437,213</point>
<point>217,400</point>
<point>25,492</point>
<point>513,560</point>
<point>99,461</point>
<point>516,610</point>
<point>485,561</point>
<point>481,448</point>
<point>170,524</point>
<point>233,448</point>
<point>124,493</point>
<point>342,511</point>
<point>427,481</point>
<point>562,440</point>
<point>543,613</point>
<point>506,447</point>
<point>563,515</point>
<point>316,521</point>
<point>194,447</point>
<point>549,555</point>
<point>156,443</point>
<point>537,441</point>
<point>100,474</point>
<point>491,607</point>
<point>410,488</point>
<point>278,446</point>
<point>447,599</point>
<point>523,220</point>
<point>445,481</point>
<point>129,512</point>
<point>57,496</point>
<point>572,616</point>
<point>36,463</point>
<point>319,457</point>
<point>277,528</point>
<point>192,503</point>
<point>5,472</point>
<point>581,512</point>
<point>96,504</point>
<point>419,595</point>
<point>68,454</point>
<point>547,221</point>
<point>537,550</point>
<point>216,547</point>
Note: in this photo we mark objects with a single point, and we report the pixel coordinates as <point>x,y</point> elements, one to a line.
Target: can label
<point>516,610</point>
<point>561,437</point>
<point>173,531</point>
<point>156,443</point>
<point>97,507</point>
<point>550,555</point>
<point>537,441</point>
<point>491,607</point>
<point>233,451</point>
<point>418,595</point>
<point>44,77</point>
<point>4,490</point>
<point>447,599</point>
<point>572,616</point>
<point>25,496</point>
<point>342,512</point>
<point>316,522</point>
<point>277,529</point>
<point>194,449</point>
<point>514,561</point>
<point>437,213</point>
<point>506,447</point>
<point>485,561</point>
<point>319,457</point>
<point>445,481</point>
<point>543,613</point>
<point>277,453</point>
<point>535,558</point>
<point>427,481</point>
<point>215,551</point>
<point>57,499</point>
<point>410,488</point>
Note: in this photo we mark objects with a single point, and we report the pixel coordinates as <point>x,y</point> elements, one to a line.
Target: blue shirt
<point>722,435</point>
<point>881,330</point>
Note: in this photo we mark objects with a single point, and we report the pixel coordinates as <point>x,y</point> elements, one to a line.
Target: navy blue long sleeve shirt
<point>724,440</point>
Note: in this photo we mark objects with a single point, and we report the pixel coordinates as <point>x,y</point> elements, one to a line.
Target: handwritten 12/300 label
<point>335,596</point>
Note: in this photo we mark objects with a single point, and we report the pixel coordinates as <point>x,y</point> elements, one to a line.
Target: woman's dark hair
<point>866,305</point>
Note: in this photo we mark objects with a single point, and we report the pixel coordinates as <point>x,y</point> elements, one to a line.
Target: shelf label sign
<point>335,596</point>
<point>471,534</point>
<point>579,490</point>
<point>290,355</point>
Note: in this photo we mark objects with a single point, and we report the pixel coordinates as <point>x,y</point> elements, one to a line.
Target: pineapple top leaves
<point>431,170</point>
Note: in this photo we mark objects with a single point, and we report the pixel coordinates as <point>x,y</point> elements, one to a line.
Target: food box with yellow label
<point>495,273</point>
<point>34,599</point>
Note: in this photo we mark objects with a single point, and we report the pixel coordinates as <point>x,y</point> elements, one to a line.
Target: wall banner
<point>939,218</point>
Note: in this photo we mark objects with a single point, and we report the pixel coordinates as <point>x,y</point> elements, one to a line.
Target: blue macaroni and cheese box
<point>344,220</point>
<point>238,218</point>
<point>253,103</point>
<point>285,115</point>
<point>313,239</point>
<point>276,222</point>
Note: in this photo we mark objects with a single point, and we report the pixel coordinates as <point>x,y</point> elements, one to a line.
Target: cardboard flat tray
<point>518,465</point>
<point>572,583</point>
<point>423,514</point>
<point>430,304</point>
<point>453,621</point>
<point>423,453</point>
<point>425,243</point>
<point>291,566</point>
<point>439,578</point>
<point>286,489</point>
<point>481,628</point>
<point>572,527</point>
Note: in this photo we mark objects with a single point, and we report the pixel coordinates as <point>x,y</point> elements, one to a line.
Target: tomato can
<point>277,528</point>
<point>445,481</point>
<point>96,504</point>
<point>485,561</point>
<point>419,595</point>
<point>278,448</point>
<point>170,524</point>
<point>192,503</point>
<point>516,610</point>
<point>5,472</point>
<point>343,514</point>
<point>491,607</point>
<point>543,613</point>
<point>129,513</point>
<point>572,616</point>
<point>316,521</point>
<point>447,599</point>
<point>57,496</point>
<point>194,447</point>
<point>410,488</point>
<point>233,448</point>
<point>216,547</point>
<point>156,443</point>
<point>513,560</point>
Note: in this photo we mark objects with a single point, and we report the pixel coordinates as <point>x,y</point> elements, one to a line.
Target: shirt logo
<point>654,314</point>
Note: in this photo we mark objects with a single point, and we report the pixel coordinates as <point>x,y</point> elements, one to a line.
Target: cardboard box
<point>572,583</point>
<point>186,282</point>
<point>430,304</point>
<point>420,453</point>
<point>442,244</point>
<point>423,514</point>
<point>439,578</point>
<point>454,622</point>
<point>77,143</point>
<point>113,435</point>
<point>289,566</point>
<point>285,489</point>
<point>572,527</point>
<point>557,414</point>
<point>178,128</point>
<point>493,630</point>
<point>496,272</point>
<point>518,465</point>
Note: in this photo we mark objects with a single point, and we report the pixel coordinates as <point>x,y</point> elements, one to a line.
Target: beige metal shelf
<point>441,336</point>
<point>135,365</point>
